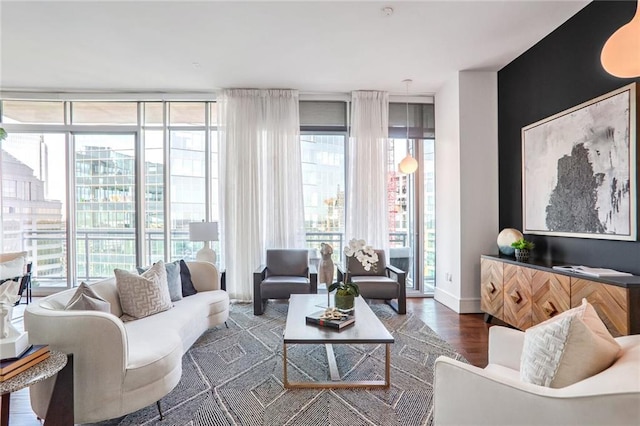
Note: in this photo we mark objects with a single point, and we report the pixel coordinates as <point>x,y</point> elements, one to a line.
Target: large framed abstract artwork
<point>579,170</point>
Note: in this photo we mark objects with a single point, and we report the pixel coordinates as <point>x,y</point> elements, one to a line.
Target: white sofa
<point>468,395</point>
<point>121,367</point>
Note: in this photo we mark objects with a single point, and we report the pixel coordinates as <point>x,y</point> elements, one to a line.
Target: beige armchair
<point>495,395</point>
<point>382,282</point>
<point>286,272</point>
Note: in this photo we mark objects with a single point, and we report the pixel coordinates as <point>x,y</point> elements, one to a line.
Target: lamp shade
<point>203,231</point>
<point>621,53</point>
<point>408,165</point>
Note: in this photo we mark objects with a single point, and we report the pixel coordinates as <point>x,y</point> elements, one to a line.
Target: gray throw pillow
<point>173,279</point>
<point>85,299</point>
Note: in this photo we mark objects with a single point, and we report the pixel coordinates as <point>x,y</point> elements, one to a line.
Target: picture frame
<point>579,170</point>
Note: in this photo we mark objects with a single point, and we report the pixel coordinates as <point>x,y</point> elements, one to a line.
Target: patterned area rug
<point>234,377</point>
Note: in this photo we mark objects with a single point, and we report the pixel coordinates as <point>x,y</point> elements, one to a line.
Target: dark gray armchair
<point>382,282</point>
<point>286,272</point>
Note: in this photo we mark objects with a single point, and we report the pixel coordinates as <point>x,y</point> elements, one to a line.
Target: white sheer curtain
<point>367,169</point>
<point>260,167</point>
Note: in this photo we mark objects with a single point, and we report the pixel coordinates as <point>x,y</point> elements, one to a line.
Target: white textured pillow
<point>143,295</point>
<point>567,348</point>
<point>12,268</point>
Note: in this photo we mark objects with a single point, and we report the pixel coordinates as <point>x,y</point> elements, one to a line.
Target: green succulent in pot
<point>522,247</point>
<point>523,244</point>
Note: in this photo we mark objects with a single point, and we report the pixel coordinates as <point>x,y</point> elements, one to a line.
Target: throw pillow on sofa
<point>85,299</point>
<point>143,295</point>
<point>185,275</point>
<point>567,348</point>
<point>174,282</point>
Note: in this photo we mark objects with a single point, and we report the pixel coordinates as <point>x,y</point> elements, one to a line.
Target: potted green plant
<point>348,291</point>
<point>345,295</point>
<point>3,134</point>
<point>523,248</point>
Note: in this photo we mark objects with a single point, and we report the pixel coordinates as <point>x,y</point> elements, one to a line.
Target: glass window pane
<point>323,182</point>
<point>214,114</point>
<point>429,208</point>
<point>105,204</point>
<point>188,192</point>
<point>401,211</point>
<point>34,112</point>
<point>154,195</point>
<point>153,113</point>
<point>186,113</point>
<point>34,203</point>
<point>104,113</point>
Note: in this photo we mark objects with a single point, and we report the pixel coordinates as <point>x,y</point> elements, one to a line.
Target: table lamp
<point>204,231</point>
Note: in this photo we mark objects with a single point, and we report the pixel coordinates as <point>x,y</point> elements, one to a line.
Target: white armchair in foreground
<point>495,395</point>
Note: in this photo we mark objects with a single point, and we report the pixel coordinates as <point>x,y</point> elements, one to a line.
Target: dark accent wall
<point>559,72</point>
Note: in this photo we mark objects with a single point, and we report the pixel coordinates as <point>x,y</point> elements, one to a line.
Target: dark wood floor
<point>467,333</point>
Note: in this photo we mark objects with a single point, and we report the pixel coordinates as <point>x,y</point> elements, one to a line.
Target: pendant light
<point>621,53</point>
<point>408,164</point>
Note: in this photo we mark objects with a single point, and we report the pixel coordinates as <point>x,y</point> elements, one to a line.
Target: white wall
<point>447,105</point>
<point>466,185</point>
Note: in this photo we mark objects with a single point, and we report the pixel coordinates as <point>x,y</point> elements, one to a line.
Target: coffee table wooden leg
<point>284,364</point>
<point>60,411</point>
<point>387,366</point>
<point>331,360</point>
<point>4,404</point>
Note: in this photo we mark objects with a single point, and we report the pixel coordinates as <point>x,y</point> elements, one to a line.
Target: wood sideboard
<point>526,294</point>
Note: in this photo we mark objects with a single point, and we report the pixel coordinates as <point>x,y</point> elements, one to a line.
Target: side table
<point>60,411</point>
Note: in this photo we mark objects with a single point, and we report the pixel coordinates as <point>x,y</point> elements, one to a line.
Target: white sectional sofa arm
<point>505,346</point>
<point>204,275</point>
<point>76,332</point>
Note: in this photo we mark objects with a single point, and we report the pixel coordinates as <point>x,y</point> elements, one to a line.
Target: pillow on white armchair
<point>12,268</point>
<point>567,348</point>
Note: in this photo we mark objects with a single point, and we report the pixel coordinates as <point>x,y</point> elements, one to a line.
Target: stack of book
<point>320,318</point>
<point>32,356</point>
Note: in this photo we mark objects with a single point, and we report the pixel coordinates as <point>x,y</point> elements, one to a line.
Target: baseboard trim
<point>462,306</point>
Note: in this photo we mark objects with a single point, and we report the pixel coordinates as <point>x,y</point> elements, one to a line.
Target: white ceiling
<point>321,46</point>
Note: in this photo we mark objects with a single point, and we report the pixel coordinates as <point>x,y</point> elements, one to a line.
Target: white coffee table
<point>367,329</point>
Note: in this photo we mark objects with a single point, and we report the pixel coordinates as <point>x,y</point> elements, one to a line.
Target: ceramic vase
<point>522,255</point>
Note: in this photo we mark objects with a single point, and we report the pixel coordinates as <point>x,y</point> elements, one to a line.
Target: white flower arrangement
<point>361,251</point>
<point>366,255</point>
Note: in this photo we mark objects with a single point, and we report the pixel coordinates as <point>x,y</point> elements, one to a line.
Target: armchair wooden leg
<point>258,306</point>
<point>397,306</point>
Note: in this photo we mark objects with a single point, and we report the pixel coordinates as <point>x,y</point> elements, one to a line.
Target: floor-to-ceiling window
<point>105,203</point>
<point>88,186</point>
<point>187,165</point>
<point>34,203</point>
<point>323,141</point>
<point>115,159</point>
<point>428,215</point>
<point>411,197</point>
